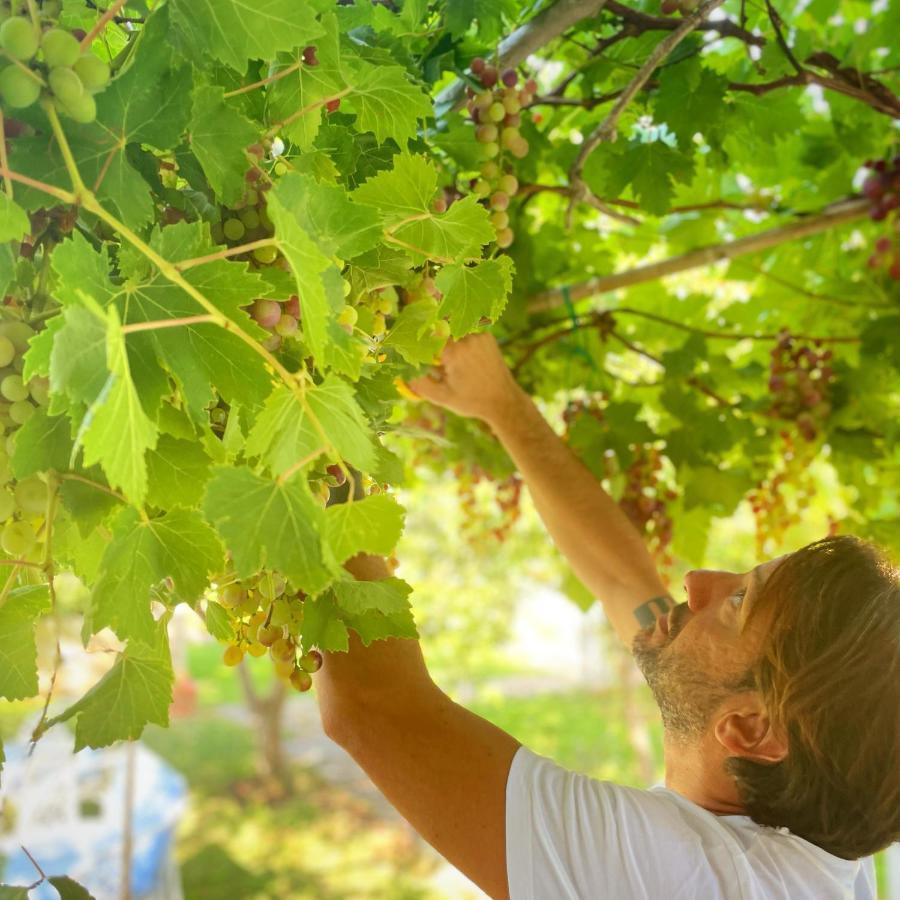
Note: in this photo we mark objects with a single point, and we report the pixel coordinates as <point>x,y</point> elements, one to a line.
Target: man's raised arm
<point>602,546</point>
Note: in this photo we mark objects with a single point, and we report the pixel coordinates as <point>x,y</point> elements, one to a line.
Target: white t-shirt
<point>571,837</point>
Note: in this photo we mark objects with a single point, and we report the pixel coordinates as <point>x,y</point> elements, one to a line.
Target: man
<point>779,690</point>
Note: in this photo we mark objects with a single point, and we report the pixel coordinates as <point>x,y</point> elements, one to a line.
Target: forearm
<point>604,549</point>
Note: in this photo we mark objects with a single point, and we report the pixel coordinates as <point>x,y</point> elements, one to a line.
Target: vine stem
<point>59,193</point>
<point>4,162</point>
<point>306,109</point>
<point>71,476</point>
<point>7,585</point>
<point>40,871</point>
<point>186,264</point>
<point>170,271</point>
<point>107,17</point>
<point>286,475</point>
<point>263,82</point>
<point>20,562</point>
<point>167,323</point>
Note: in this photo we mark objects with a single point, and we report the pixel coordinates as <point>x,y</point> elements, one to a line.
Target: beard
<point>686,693</point>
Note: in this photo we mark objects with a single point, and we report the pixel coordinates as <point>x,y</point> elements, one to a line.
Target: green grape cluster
<point>23,503</point>
<point>47,60</point>
<point>496,111</point>
<point>266,617</point>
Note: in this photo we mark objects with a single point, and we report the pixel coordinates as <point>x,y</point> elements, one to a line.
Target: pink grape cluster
<point>496,111</point>
<point>800,379</point>
<point>645,501</point>
<point>280,318</point>
<point>882,188</point>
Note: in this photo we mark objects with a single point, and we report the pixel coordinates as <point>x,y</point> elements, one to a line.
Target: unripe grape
<point>266,313</point>
<point>18,88</point>
<point>217,233</point>
<point>268,634</point>
<point>19,38</point>
<point>82,110</point>
<point>21,411</point>
<point>509,137</point>
<point>482,187</point>
<point>93,72</point>
<point>348,317</point>
<point>499,200</point>
<point>504,238</point>
<point>272,342</point>
<point>17,539</point>
<point>286,326</point>
<point>439,205</point>
<point>292,306</point>
<point>311,662</point>
<point>513,120</point>
<point>499,219</point>
<point>284,668</point>
<point>66,85</point>
<point>59,48</point>
<point>7,351</point>
<point>508,183</point>
<point>483,100</point>
<point>266,255</point>
<point>232,655</point>
<point>497,112</point>
<point>511,104</point>
<point>257,650</point>
<point>520,148</point>
<point>441,330</point>
<point>300,680</point>
<point>233,228</point>
<point>490,169</point>
<point>489,151</point>
<point>7,505</point>
<point>31,495</point>
<point>487,133</point>
<point>283,648</point>
<point>249,218</point>
<point>379,326</point>
<point>13,388</point>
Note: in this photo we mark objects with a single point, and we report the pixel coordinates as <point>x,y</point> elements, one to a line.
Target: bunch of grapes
<point>476,488</point>
<point>266,617</point>
<point>496,112</point>
<point>47,60</point>
<point>780,499</point>
<point>800,378</point>
<point>592,406</point>
<point>644,500</point>
<point>882,188</point>
<point>23,503</point>
<point>685,7</point>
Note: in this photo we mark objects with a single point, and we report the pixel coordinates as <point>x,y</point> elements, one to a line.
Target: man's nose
<point>700,587</point>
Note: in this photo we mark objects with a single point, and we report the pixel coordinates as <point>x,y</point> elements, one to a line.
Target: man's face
<point>701,653</point>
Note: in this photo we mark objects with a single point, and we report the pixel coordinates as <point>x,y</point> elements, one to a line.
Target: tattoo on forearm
<point>647,613</point>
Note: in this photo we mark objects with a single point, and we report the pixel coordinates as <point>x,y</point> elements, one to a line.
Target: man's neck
<point>697,772</point>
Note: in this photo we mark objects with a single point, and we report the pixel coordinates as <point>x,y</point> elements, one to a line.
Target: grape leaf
<point>373,625</point>
<point>269,523</point>
<point>178,545</point>
<point>134,693</point>
<point>285,432</point>
<point>218,622</point>
<point>322,626</point>
<point>459,232</point>
<point>387,596</point>
<point>43,442</point>
<point>411,334</point>
<point>10,892</point>
<point>78,355</point>
<point>177,472</point>
<point>370,525</point>
<point>651,170</point>
<point>18,651</point>
<point>89,504</point>
<point>69,889</point>
<point>690,99</point>
<point>403,191</point>
<point>471,292</point>
<point>387,104</point>
<point>219,134</point>
<point>116,431</point>
<point>234,31</point>
<point>14,224</point>
<point>7,267</point>
<point>82,271</point>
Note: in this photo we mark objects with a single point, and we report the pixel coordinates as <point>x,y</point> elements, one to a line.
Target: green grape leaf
<point>177,471</point>
<point>7,267</point>
<point>651,170</point>
<point>43,442</point>
<point>234,31</point>
<point>285,432</point>
<point>691,99</point>
<point>14,224</point>
<point>373,625</point>
<point>134,693</point>
<point>411,334</point>
<point>142,553</point>
<point>218,622</point>
<point>387,104</point>
<point>82,271</point>
<point>269,524</point>
<point>116,431</point>
<point>10,892</point>
<point>219,134</point>
<point>370,525</point>
<point>471,292</point>
<point>406,190</point>
<point>88,503</point>
<point>387,596</point>
<point>459,232</point>
<point>322,626</point>
<point>78,355</point>
<point>18,651</point>
<point>69,889</point>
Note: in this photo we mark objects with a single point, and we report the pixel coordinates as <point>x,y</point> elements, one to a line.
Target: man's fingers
<point>430,387</point>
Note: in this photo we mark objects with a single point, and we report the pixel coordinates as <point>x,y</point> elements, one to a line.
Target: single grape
<point>59,48</point>
<point>66,85</point>
<point>347,318</point>
<point>249,605</point>
<point>18,88</point>
<point>232,655</point>
<point>255,649</point>
<point>217,233</point>
<point>509,184</point>
<point>509,77</point>
<point>500,219</point>
<point>497,112</point>
<point>7,351</point>
<point>489,76</point>
<point>17,539</point>
<point>268,634</point>
<point>379,326</point>
<point>490,169</point>
<point>231,596</point>
<point>504,238</point>
<point>483,100</point>
<point>311,661</point>
<point>93,72</point>
<point>21,411</point>
<point>13,388</point>
<point>383,305</point>
<point>284,668</point>
<point>337,473</point>
<point>7,505</point>
<point>509,137</point>
<point>249,218</point>
<point>266,255</point>
<point>309,56</point>
<point>511,103</point>
<point>489,151</point>
<point>267,313</point>
<point>251,198</point>
<point>441,330</point>
<point>300,680</point>
<point>84,110</point>
<point>284,649</point>
<point>477,65</point>
<point>233,228</point>
<point>439,205</point>
<point>286,326</point>
<point>333,105</point>
<point>19,38</point>
<point>482,187</point>
<point>486,133</point>
<point>513,120</point>
<point>272,342</point>
<point>499,200</point>
<point>292,307</point>
<point>31,495</point>
<point>520,148</point>
<point>218,416</point>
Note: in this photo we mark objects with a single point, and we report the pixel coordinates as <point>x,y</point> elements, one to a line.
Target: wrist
<point>508,414</point>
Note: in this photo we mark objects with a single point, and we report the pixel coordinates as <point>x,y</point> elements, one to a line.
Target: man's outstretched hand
<point>471,380</point>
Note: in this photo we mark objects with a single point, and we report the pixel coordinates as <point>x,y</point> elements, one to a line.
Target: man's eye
<point>738,597</point>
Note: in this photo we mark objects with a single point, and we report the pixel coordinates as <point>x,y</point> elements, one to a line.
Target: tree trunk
<point>267,711</point>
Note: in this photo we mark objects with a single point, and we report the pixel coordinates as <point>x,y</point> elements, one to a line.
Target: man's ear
<point>746,730</point>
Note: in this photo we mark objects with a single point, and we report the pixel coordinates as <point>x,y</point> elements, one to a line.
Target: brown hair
<point>829,672</point>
